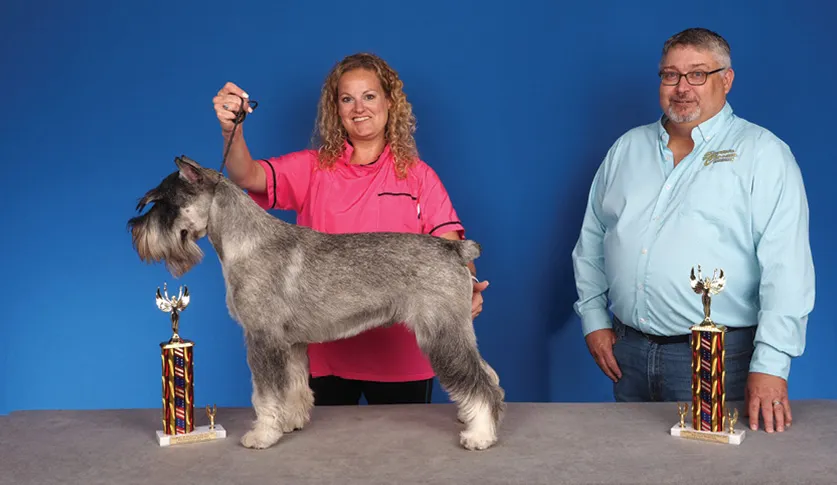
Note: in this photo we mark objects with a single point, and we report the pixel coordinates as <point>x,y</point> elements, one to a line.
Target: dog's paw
<point>295,423</point>
<point>476,439</point>
<point>290,427</point>
<point>260,438</point>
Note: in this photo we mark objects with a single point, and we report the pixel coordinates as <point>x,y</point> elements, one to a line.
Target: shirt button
<point>668,186</point>
<point>639,287</point>
<point>641,320</point>
<point>645,251</point>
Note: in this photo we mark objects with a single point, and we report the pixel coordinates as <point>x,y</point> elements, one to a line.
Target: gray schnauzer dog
<point>288,286</point>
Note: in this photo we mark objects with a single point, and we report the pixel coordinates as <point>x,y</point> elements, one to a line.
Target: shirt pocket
<point>398,212</point>
<point>712,194</point>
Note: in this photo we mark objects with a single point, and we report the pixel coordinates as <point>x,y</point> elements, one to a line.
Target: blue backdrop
<point>517,103</point>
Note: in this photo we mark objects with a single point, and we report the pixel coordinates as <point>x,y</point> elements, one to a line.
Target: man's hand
<point>600,344</point>
<point>476,298</point>
<point>768,395</point>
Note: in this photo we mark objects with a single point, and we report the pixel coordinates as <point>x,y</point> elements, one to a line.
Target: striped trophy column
<point>178,387</point>
<point>708,377</point>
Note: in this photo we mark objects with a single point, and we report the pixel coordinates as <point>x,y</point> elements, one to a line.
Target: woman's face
<point>362,105</point>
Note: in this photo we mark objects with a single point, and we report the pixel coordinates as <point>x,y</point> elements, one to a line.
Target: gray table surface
<point>550,443</point>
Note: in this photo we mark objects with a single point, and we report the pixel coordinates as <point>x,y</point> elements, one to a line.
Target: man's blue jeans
<point>663,371</point>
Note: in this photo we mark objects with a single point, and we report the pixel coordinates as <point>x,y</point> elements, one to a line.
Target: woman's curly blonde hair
<point>329,134</point>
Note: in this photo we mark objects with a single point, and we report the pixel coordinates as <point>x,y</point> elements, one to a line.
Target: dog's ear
<point>185,159</point>
<point>190,171</point>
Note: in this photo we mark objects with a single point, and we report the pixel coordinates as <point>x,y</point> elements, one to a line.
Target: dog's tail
<point>468,250</point>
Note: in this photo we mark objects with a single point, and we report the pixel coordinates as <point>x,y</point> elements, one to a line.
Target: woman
<point>364,176</point>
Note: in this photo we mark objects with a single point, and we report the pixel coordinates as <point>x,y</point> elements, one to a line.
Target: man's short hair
<point>703,39</point>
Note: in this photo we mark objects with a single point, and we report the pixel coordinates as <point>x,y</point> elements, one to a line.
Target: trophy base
<point>201,433</point>
<point>734,438</point>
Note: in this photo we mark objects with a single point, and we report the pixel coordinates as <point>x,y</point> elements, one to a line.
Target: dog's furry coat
<point>288,286</point>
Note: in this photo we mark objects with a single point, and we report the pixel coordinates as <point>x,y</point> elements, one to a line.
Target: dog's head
<point>169,231</point>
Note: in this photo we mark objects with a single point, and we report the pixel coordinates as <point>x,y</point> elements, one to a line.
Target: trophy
<point>178,382</point>
<point>708,406</point>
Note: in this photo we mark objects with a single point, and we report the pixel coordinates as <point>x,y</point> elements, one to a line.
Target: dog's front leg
<point>297,392</point>
<point>268,363</point>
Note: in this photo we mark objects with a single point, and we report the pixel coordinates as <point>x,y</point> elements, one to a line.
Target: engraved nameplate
<point>734,438</point>
<point>202,433</point>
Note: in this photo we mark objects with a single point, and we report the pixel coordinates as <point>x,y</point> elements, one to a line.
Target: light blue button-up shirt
<point>736,203</point>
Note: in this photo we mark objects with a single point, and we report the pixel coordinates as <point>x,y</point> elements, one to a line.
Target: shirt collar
<point>346,157</point>
<point>703,131</point>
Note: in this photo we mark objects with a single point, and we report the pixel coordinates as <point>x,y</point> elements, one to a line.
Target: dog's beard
<point>153,246</point>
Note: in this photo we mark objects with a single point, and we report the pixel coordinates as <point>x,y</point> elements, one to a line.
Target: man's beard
<point>686,117</point>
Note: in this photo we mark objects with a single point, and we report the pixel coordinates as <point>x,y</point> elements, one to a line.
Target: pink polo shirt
<point>362,198</point>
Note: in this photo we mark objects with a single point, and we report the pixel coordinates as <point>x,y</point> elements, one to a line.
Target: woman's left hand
<point>476,298</point>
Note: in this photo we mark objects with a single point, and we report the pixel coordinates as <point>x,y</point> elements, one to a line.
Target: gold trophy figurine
<point>682,409</point>
<point>732,417</point>
<point>708,372</point>
<point>178,380</point>
<point>173,306</point>
<point>211,414</point>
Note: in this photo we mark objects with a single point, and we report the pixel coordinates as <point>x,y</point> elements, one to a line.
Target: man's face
<point>685,103</point>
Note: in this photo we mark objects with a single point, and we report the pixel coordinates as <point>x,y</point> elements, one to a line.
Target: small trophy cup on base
<point>708,406</point>
<point>178,382</point>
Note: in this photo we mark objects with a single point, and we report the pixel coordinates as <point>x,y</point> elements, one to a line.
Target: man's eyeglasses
<point>695,78</point>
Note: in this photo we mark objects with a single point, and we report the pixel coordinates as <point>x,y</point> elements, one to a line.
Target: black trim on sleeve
<point>444,224</point>
<point>272,171</point>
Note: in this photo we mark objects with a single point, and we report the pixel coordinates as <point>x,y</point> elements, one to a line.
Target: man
<point>700,186</point>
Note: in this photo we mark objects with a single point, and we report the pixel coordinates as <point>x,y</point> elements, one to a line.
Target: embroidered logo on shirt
<point>721,156</point>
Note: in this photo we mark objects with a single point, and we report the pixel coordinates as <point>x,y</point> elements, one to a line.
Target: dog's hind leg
<point>469,381</point>
<point>299,397</point>
<point>269,362</point>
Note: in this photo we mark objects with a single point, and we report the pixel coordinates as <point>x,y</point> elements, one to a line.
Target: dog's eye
<point>183,235</point>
